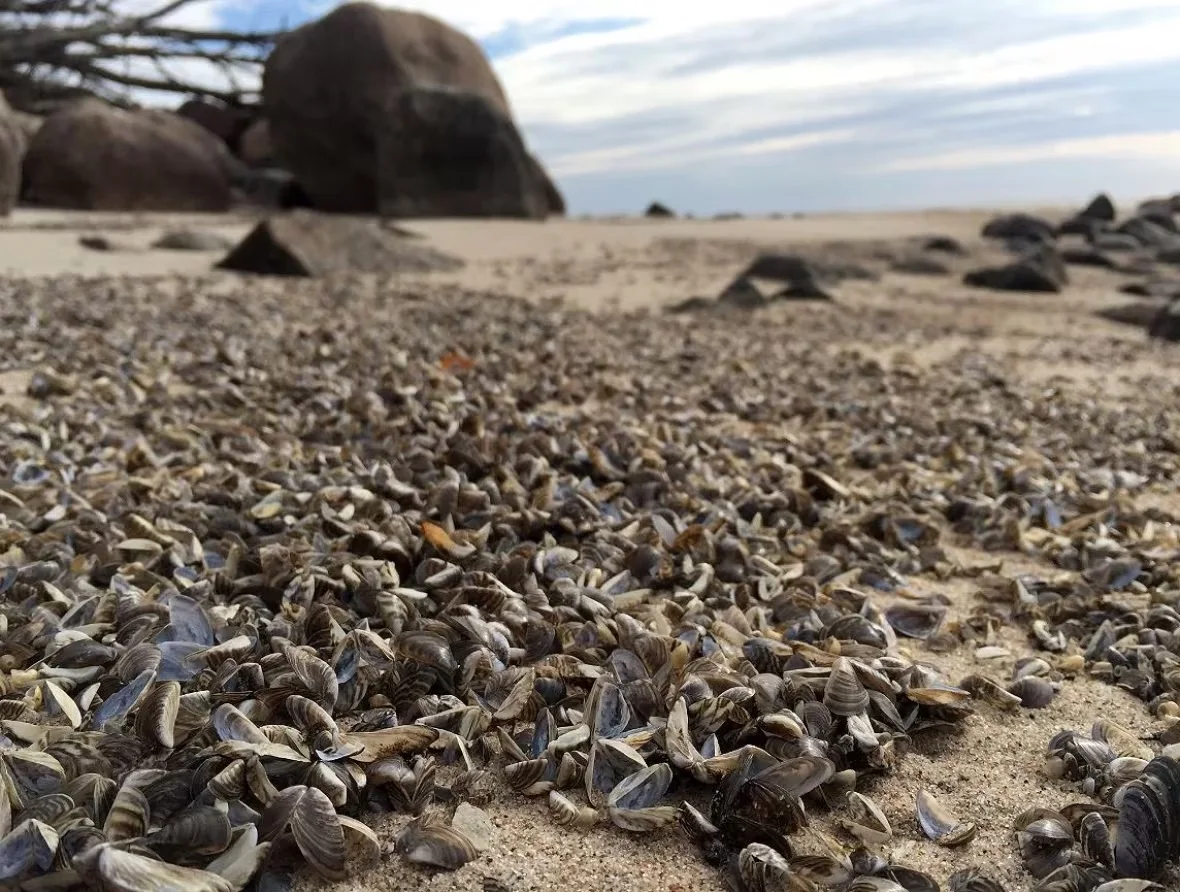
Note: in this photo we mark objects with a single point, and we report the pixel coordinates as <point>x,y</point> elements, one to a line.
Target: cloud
<point>1145,146</point>
<point>806,104</point>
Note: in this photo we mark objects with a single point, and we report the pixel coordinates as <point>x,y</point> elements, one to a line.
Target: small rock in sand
<point>790,270</point>
<point>1022,227</point>
<point>1148,233</point>
<point>1039,270</point>
<point>192,240</point>
<point>304,243</point>
<point>1153,288</point>
<point>475,824</point>
<point>1091,220</point>
<point>741,292</point>
<point>1159,211</point>
<point>943,244</point>
<point>1141,313</point>
<point>1166,325</point>
<point>1115,241</point>
<point>1087,257</point>
<point>1101,207</point>
<point>104,243</point>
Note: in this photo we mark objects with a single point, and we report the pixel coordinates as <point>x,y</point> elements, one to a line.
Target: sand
<point>991,771</point>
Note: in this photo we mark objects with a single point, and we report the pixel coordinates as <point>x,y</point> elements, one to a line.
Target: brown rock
<point>255,147</point>
<point>692,304</point>
<point>451,153</point>
<point>226,123</point>
<point>28,124</point>
<point>100,242</point>
<point>1141,313</point>
<point>13,143</point>
<point>554,200</point>
<point>1152,288</point>
<point>12,149</point>
<point>329,89</point>
<point>192,240</point>
<point>93,156</point>
<point>306,243</point>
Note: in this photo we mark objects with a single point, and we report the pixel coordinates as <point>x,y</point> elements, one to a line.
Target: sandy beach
<point>909,334</point>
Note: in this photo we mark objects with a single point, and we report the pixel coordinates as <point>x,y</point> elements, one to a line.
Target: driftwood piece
<point>51,50</point>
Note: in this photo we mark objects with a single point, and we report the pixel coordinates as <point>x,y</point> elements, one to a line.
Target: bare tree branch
<point>50,48</point>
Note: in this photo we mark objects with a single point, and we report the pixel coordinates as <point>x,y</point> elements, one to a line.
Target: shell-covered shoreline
<point>279,553</point>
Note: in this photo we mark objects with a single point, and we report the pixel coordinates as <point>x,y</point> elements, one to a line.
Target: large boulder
<point>28,124</point>
<point>554,200</point>
<point>452,153</point>
<point>93,156</point>
<point>12,150</point>
<point>340,92</point>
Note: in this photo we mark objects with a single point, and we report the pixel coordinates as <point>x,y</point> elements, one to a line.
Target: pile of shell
<point>273,562</point>
<point>173,713</point>
<point>1125,841</point>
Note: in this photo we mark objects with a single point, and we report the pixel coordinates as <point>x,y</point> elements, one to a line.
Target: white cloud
<point>484,19</point>
<point>685,151</point>
<point>835,94</point>
<point>1160,147</point>
<point>714,66</point>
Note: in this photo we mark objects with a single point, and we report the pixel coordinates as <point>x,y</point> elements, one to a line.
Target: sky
<point>808,105</point>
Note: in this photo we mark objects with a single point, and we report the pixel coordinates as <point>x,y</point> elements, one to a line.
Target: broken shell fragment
<point>939,824</point>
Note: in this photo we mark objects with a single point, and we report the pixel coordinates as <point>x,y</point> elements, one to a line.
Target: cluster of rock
<point>813,274</point>
<point>1140,245</point>
<point>1145,245</point>
<point>303,243</point>
<point>1043,250</point>
<point>366,110</point>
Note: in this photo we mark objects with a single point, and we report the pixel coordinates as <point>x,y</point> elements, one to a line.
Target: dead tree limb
<point>55,48</point>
